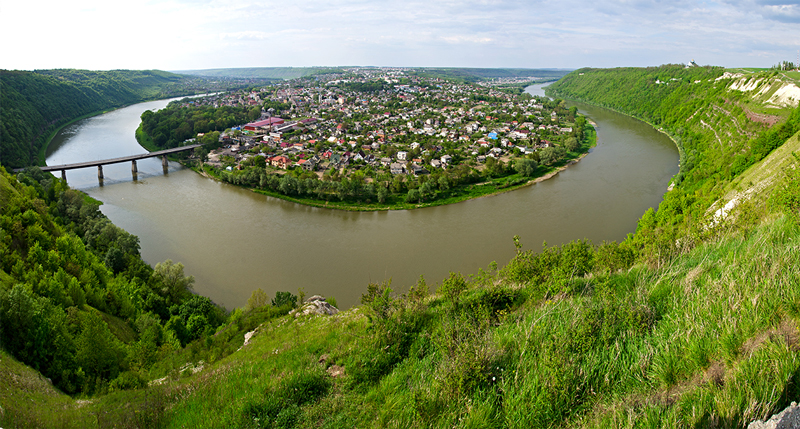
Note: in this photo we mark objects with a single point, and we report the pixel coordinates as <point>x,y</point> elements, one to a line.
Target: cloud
<point>789,13</point>
<point>518,33</point>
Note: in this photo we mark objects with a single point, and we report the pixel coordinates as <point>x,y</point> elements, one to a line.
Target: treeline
<point>77,302</point>
<point>33,105</point>
<point>171,126</point>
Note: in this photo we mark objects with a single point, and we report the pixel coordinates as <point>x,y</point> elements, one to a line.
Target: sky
<point>192,35</point>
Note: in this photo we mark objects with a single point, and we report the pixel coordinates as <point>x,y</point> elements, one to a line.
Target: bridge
<point>132,158</point>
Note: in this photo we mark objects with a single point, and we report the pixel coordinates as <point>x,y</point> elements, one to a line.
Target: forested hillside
<point>77,303</point>
<point>720,128</point>
<point>33,105</point>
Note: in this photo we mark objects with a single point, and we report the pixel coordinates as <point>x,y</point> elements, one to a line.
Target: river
<point>234,241</point>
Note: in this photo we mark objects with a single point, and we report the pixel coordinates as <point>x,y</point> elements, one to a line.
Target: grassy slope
<point>715,340</point>
<point>759,180</point>
<point>29,400</point>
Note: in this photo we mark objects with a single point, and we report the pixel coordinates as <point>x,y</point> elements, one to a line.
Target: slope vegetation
<point>33,105</point>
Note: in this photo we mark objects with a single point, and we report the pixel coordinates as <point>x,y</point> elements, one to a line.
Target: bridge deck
<point>116,160</point>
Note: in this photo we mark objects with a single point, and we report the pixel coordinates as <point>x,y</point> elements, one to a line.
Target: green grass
<point>645,346</point>
<point>710,339</point>
<point>760,179</point>
<point>29,400</point>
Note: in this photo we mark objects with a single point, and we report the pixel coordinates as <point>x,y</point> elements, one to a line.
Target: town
<point>388,130</point>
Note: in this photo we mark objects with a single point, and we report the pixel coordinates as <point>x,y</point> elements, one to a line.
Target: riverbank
<point>678,144</point>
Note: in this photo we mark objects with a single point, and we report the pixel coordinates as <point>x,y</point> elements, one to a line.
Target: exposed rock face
<point>316,305</point>
<point>789,418</point>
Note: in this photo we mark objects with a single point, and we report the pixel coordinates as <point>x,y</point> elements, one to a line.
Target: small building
<point>397,168</point>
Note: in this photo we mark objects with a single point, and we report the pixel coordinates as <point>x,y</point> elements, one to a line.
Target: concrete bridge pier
<point>64,175</point>
<point>100,172</point>
<point>164,161</point>
<point>134,170</point>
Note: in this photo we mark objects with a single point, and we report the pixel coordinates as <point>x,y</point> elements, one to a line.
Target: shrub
<point>284,299</point>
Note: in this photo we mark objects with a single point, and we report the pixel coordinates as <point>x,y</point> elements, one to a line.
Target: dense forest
<point>78,303</point>
<point>171,126</point>
<point>34,105</point>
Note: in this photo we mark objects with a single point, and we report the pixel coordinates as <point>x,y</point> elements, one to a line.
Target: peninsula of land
<point>375,139</point>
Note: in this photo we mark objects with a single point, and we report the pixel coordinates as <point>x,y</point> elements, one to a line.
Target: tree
<point>551,155</point>
<point>382,194</point>
<point>172,284</point>
<point>571,144</point>
<point>412,196</point>
<point>525,167</point>
<point>99,353</point>
<point>257,299</point>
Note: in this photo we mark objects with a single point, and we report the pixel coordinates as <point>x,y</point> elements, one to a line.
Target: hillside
<point>34,105</point>
<point>694,321</point>
<point>723,123</point>
<point>282,73</point>
<point>467,74</point>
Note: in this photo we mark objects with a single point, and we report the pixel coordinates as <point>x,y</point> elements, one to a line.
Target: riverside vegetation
<point>690,322</point>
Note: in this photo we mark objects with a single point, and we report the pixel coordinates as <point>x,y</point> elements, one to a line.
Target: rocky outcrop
<point>316,305</point>
<point>789,418</point>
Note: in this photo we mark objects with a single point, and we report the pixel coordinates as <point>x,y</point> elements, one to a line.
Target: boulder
<point>789,418</point>
<point>316,305</point>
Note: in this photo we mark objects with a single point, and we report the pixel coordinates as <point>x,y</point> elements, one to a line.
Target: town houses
<point>385,120</point>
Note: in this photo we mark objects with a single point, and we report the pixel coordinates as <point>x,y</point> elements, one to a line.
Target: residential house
<point>397,168</point>
<point>279,162</point>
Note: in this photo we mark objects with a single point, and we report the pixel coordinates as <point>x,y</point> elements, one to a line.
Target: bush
<point>284,299</point>
<point>525,167</point>
<point>787,197</point>
<point>611,257</point>
<point>128,380</point>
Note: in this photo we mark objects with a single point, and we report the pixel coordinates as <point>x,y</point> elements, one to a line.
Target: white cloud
<point>184,34</point>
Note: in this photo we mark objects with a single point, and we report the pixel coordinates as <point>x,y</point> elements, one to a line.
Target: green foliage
<point>257,299</point>
<point>284,299</point>
<point>79,286</point>
<point>453,286</point>
<point>180,121</point>
<point>787,196</point>
<point>33,105</point>
<point>171,283</point>
<point>552,270</point>
<point>525,167</point>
